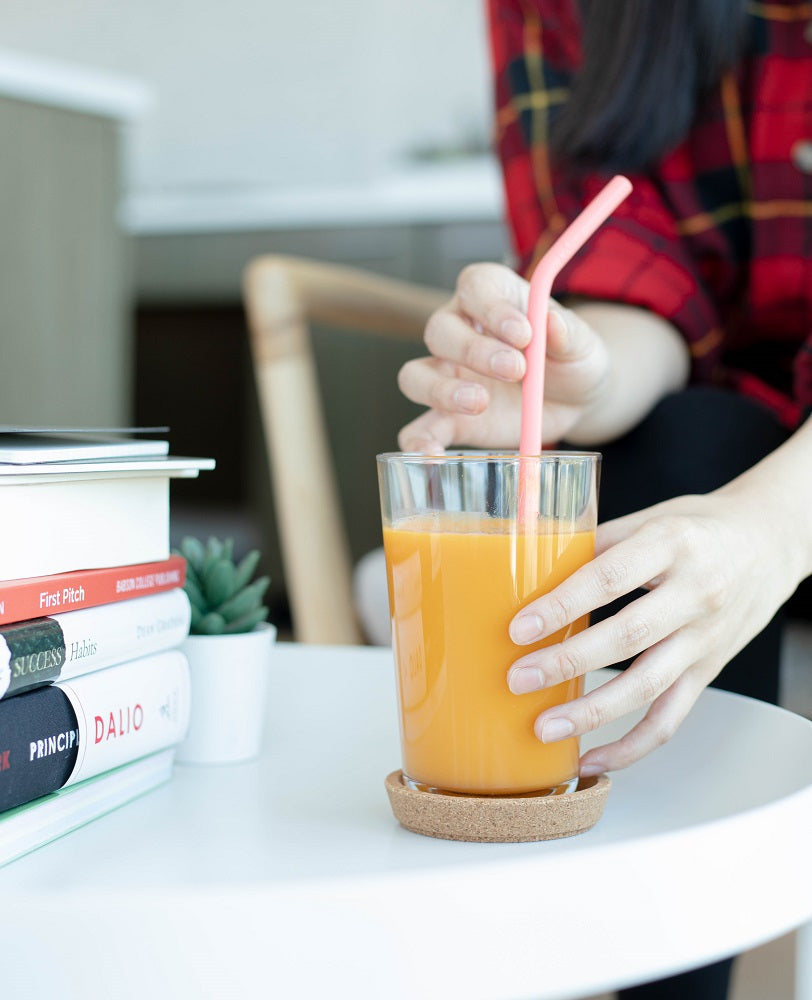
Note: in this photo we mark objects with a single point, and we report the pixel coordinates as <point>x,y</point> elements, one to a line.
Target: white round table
<point>288,876</point>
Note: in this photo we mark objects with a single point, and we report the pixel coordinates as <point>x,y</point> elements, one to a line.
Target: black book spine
<point>39,744</point>
<point>31,653</point>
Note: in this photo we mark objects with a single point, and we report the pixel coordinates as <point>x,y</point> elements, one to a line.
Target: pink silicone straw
<point>541,285</point>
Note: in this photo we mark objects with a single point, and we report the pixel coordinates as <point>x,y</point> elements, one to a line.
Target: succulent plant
<point>224,597</point>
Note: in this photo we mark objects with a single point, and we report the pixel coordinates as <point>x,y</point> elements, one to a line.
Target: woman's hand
<point>716,568</point>
<point>471,380</point>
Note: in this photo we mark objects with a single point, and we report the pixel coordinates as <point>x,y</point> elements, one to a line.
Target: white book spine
<point>113,633</point>
<point>54,527</point>
<point>128,711</point>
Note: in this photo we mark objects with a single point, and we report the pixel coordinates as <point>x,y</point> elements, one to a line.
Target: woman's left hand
<point>715,569</point>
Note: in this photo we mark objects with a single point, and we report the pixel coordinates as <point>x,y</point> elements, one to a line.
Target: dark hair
<point>646,65</point>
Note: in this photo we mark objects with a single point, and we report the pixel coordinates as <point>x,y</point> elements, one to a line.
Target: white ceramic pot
<point>229,675</point>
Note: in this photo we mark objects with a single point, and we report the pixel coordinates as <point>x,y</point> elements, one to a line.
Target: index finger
<point>495,298</point>
<point>624,568</point>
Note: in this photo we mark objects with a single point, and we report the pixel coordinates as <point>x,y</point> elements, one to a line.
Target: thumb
<point>569,337</point>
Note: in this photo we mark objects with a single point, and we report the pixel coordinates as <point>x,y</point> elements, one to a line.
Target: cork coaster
<point>500,819</point>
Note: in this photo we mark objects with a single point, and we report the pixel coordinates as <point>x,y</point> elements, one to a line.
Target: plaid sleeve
<point>637,257</point>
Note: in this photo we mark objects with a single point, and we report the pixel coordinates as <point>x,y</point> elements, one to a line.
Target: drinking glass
<point>463,555</point>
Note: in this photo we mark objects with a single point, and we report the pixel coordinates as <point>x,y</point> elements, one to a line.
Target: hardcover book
<point>63,646</point>
<point>31,597</point>
<point>84,515</point>
<point>63,733</point>
<point>29,826</point>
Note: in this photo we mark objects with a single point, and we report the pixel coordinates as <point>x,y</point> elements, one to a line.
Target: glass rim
<point>496,455</point>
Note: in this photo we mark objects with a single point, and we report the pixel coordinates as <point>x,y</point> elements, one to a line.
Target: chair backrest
<point>282,297</point>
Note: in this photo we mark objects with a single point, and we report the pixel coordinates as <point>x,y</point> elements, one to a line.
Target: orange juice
<point>455,583</point>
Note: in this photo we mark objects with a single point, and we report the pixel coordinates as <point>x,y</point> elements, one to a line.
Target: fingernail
<point>516,331</point>
<point>468,398</point>
<point>591,769</point>
<point>553,730</point>
<point>506,364</point>
<point>522,680</point>
<point>527,628</point>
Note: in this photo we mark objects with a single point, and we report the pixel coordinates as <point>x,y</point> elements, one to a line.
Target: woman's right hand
<point>471,381</point>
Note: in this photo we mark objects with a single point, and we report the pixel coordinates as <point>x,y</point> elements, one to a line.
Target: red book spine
<point>37,596</point>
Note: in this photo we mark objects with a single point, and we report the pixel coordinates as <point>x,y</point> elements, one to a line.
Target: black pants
<point>693,442</point>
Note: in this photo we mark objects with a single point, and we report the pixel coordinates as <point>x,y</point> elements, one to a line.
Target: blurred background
<point>152,148</point>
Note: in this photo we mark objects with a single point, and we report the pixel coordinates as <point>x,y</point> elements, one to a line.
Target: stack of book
<point>94,694</point>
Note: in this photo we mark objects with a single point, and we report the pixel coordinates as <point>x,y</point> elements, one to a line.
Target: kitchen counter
<point>462,190</point>
<point>57,84</point>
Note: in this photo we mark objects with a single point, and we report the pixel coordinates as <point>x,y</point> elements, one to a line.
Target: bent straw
<point>541,285</point>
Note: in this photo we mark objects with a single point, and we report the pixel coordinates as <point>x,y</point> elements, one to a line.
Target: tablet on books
<point>33,445</point>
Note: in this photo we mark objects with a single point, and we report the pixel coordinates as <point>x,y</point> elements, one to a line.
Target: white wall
<point>258,93</point>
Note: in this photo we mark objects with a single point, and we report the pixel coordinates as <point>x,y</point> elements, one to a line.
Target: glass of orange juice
<point>464,553</point>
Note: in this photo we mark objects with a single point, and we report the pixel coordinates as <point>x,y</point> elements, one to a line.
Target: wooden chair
<point>282,297</point>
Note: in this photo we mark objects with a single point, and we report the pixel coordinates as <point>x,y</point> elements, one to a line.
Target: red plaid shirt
<point>718,237</point>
